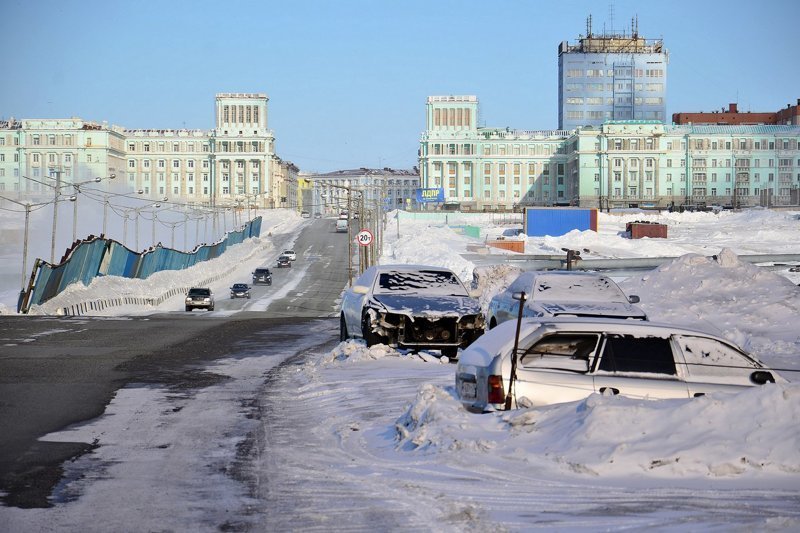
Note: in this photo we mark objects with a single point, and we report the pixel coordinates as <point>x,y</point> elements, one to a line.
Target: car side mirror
<point>760,377</point>
<point>360,289</point>
<point>633,299</point>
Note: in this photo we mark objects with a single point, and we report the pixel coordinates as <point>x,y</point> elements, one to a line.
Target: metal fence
<point>96,256</point>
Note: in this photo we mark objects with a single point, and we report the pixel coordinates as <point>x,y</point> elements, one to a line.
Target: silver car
<point>411,306</point>
<point>559,292</point>
<point>567,359</point>
<point>199,298</point>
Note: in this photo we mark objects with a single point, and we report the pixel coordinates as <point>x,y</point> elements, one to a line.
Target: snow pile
<point>490,280</point>
<point>353,351</point>
<point>751,306</point>
<point>617,436</point>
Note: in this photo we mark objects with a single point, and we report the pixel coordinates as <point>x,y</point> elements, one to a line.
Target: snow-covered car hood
<point>429,306</point>
<point>591,309</point>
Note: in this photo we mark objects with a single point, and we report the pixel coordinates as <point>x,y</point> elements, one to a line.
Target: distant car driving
<point>558,293</point>
<point>240,290</point>
<point>290,254</point>
<point>199,298</point>
<point>284,262</point>
<point>412,307</point>
<point>564,359</point>
<point>262,275</point>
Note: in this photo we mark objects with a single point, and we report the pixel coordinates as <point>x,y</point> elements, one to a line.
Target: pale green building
<point>617,164</point>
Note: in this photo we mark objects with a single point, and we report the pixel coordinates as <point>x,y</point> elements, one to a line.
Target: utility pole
<point>56,191</point>
<point>349,235</point>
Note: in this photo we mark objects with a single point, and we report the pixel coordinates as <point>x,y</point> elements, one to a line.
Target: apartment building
<point>490,168</point>
<point>611,76</point>
<point>618,164</point>
<point>384,188</point>
<point>233,163</point>
<point>36,154</point>
<point>229,163</point>
<point>788,116</point>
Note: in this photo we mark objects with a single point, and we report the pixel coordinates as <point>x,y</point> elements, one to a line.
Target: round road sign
<point>364,237</point>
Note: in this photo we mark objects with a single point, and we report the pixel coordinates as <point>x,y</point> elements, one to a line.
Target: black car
<point>262,275</point>
<point>240,290</point>
<point>284,262</point>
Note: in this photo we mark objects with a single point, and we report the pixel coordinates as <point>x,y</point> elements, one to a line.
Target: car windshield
<point>239,286</point>
<point>261,271</point>
<point>200,292</point>
<point>438,282</point>
<point>577,289</point>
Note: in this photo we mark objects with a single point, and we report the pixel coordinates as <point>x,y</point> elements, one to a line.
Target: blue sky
<point>347,79</point>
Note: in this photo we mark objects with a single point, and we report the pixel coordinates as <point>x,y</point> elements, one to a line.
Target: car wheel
<point>189,309</point>
<point>451,352</point>
<point>231,297</point>
<point>211,308</point>
<point>343,336</point>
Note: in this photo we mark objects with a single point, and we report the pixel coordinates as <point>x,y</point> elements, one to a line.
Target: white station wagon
<point>567,359</point>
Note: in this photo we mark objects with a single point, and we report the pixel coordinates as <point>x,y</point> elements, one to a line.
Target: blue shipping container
<point>556,221</point>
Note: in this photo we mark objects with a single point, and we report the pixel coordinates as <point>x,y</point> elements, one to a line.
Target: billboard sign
<point>430,195</point>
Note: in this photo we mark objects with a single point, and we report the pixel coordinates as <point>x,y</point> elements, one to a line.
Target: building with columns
<point>233,163</point>
<point>617,164</point>
<point>33,152</point>
<point>384,188</point>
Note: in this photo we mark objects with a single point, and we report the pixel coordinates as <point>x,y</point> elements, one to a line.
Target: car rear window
<point>564,352</point>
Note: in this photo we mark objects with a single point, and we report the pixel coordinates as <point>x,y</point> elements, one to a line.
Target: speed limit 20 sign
<point>364,237</point>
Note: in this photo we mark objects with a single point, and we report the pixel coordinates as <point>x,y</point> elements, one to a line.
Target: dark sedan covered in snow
<point>412,307</point>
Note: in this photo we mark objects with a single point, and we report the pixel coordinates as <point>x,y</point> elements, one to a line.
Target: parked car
<point>411,306</point>
<point>290,254</point>
<point>567,359</point>
<point>199,298</point>
<point>317,215</point>
<point>262,275</point>
<point>561,292</point>
<point>284,262</point>
<point>305,214</point>
<point>240,290</point>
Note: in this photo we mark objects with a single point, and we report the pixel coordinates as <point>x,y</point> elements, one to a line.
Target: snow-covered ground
<point>379,434</point>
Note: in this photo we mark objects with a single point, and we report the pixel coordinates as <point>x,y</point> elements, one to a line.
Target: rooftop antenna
<point>611,16</point>
<point>589,26</point>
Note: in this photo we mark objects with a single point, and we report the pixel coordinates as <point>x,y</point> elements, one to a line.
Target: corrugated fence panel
<point>103,257</point>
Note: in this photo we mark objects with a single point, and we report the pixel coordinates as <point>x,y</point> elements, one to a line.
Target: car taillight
<point>496,394</point>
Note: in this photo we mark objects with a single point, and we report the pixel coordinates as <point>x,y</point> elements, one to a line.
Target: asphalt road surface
<point>55,372</point>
